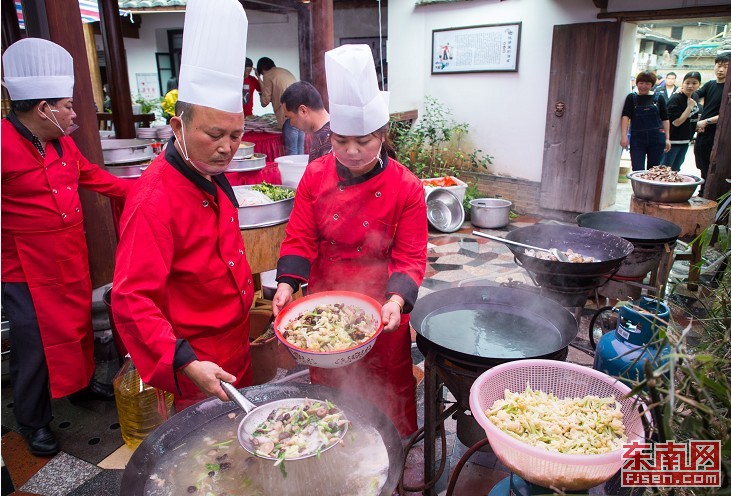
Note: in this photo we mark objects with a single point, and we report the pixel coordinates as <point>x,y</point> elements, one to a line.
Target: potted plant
<point>434,148</point>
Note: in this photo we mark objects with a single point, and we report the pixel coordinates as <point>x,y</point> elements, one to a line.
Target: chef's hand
<point>624,142</point>
<point>208,376</point>
<point>668,145</point>
<point>391,313</point>
<point>282,297</point>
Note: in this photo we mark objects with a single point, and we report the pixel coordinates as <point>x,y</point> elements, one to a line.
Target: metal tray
<point>246,150</point>
<point>271,214</point>
<point>254,163</point>
<point>127,171</point>
<point>122,151</point>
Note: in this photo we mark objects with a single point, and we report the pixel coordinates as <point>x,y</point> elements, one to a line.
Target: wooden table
<point>693,217</point>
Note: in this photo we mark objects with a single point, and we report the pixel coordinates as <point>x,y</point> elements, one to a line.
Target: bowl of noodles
<point>329,329</point>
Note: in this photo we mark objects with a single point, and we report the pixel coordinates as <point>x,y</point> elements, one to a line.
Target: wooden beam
<point>304,36</point>
<point>720,167</point>
<point>36,19</point>
<point>601,4</point>
<point>323,39</point>
<point>117,75</point>
<point>10,27</point>
<point>646,15</point>
<point>64,24</point>
<point>94,72</point>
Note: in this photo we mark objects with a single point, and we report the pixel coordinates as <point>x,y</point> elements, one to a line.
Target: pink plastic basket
<point>565,380</point>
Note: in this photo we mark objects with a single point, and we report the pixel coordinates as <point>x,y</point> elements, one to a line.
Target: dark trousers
<point>28,369</point>
<point>650,144</point>
<point>702,149</point>
<point>675,157</point>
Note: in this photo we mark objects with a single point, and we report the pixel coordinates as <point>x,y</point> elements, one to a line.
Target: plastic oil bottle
<point>141,407</point>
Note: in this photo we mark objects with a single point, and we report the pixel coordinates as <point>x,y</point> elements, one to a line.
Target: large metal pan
<point>198,418</point>
<point>508,324</point>
<point>635,228</point>
<point>607,248</point>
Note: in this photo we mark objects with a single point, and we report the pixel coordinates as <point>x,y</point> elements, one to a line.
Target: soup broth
<point>211,461</point>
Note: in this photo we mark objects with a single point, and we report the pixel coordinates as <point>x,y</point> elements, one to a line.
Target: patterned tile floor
<point>94,456</point>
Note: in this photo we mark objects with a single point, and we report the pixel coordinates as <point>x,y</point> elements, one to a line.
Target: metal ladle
<point>255,415</point>
<point>561,256</point>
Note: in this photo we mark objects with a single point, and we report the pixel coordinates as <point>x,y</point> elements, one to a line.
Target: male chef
<point>182,286</point>
<point>46,287</point>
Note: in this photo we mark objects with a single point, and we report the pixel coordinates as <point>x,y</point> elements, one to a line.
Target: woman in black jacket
<point>683,114</point>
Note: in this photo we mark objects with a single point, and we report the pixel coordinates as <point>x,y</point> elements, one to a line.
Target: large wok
<point>636,228</point>
<point>607,248</point>
<point>549,323</point>
<point>197,417</point>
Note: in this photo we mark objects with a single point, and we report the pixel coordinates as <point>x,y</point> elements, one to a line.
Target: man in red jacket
<point>182,286</point>
<point>46,287</point>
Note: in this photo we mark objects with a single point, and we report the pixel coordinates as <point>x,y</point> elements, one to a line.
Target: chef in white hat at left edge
<point>46,286</point>
<point>182,286</point>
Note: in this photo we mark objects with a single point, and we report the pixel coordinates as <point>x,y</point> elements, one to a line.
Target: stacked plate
<point>164,132</point>
<point>146,132</point>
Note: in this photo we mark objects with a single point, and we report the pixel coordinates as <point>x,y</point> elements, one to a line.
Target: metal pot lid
<point>492,324</point>
<point>635,228</point>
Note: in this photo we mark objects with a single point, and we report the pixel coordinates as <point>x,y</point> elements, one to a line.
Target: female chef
<point>359,224</point>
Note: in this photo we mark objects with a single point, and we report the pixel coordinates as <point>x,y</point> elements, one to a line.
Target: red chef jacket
<point>182,280</point>
<point>43,245</point>
<point>367,234</point>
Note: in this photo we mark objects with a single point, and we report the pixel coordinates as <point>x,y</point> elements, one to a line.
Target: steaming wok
<point>196,418</point>
<point>520,317</point>
<point>607,248</point>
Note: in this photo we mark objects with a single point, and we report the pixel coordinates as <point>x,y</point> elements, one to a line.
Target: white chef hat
<point>214,54</point>
<point>35,69</point>
<point>357,106</point>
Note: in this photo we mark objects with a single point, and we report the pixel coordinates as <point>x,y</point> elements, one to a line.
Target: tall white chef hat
<point>214,54</point>
<point>35,69</point>
<point>357,106</point>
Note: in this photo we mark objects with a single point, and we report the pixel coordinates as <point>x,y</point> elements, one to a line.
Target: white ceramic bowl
<point>332,359</point>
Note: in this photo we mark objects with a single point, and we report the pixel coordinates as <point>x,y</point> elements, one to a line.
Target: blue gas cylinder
<point>622,353</point>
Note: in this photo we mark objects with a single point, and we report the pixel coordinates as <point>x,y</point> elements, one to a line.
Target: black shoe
<point>42,442</point>
<point>94,391</point>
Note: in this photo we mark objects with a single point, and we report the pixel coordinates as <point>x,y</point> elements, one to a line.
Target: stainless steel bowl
<point>662,192</point>
<point>444,210</point>
<point>254,163</point>
<point>124,151</point>
<point>270,214</point>
<point>246,150</point>
<point>127,171</point>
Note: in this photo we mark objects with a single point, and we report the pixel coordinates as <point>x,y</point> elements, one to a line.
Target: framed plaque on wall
<point>486,48</point>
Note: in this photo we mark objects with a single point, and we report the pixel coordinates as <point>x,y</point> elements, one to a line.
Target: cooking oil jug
<point>622,353</point>
<point>141,407</point>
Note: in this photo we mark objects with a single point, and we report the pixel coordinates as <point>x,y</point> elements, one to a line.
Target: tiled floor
<point>94,456</point>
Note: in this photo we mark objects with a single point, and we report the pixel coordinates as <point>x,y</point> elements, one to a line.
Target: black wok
<point>549,323</point>
<point>607,248</point>
<point>636,228</point>
<point>174,432</point>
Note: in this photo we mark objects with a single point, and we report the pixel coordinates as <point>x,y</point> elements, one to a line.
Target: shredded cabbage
<point>588,425</point>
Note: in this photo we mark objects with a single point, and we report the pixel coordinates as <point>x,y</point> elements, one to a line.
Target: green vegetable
<point>275,193</point>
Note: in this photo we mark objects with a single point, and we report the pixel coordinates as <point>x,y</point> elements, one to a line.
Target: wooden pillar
<point>720,168</point>
<point>10,27</point>
<point>304,31</point>
<point>323,39</point>
<point>117,76</point>
<point>94,72</point>
<point>63,21</point>
<point>36,19</point>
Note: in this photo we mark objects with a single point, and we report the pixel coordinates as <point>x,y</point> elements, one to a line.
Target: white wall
<point>270,35</point>
<point>506,111</point>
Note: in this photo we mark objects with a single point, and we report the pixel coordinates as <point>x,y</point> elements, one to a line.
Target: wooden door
<point>583,63</point>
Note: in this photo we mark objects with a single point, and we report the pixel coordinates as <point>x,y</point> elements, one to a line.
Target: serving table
<point>693,216</point>
<point>269,144</point>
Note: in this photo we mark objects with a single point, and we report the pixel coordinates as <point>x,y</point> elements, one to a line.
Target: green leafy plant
<point>148,105</point>
<point>689,394</point>
<point>434,146</point>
